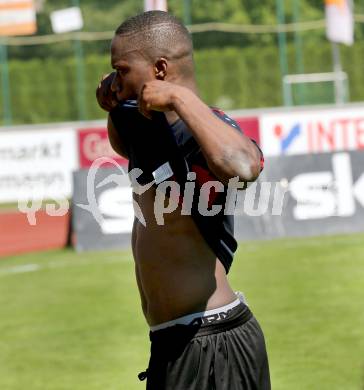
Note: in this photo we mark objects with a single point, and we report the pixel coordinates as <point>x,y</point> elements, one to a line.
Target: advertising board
<point>302,132</point>
<point>296,196</point>
<point>37,164</point>
<point>93,143</point>
<point>17,17</point>
<point>103,211</point>
<point>309,195</point>
<point>249,126</point>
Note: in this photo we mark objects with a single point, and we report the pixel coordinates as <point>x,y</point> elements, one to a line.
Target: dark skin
<point>176,271</point>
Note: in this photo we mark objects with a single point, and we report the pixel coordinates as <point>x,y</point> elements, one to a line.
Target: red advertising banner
<point>250,127</point>
<point>93,144</point>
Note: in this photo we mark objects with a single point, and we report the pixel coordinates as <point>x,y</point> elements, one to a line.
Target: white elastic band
<point>186,320</point>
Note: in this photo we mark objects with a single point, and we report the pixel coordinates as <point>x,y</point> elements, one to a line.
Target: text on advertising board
<point>93,144</point>
<point>315,132</point>
<point>328,193</point>
<point>37,164</point>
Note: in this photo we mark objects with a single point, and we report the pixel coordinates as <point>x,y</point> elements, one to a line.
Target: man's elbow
<point>252,173</point>
<point>250,164</point>
<point>244,166</point>
<point>248,171</point>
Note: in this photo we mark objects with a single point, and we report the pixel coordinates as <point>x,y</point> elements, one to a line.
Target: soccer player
<point>203,335</point>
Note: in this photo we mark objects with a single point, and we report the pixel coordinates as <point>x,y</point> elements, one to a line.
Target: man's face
<point>133,69</point>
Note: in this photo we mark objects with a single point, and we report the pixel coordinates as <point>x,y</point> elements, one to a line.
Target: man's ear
<point>160,68</point>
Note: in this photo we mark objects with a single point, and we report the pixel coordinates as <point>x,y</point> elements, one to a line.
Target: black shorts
<point>228,354</point>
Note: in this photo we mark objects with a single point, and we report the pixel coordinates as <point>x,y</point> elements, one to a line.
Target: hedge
<point>45,90</point>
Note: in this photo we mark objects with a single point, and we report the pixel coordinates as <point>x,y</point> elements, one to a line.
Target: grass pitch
<point>73,322</point>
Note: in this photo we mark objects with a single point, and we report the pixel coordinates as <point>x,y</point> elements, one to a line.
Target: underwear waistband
<point>204,317</point>
<point>238,316</point>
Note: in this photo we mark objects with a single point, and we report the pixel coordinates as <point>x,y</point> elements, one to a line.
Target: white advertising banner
<point>340,21</point>
<point>65,20</point>
<point>304,132</point>
<point>37,164</point>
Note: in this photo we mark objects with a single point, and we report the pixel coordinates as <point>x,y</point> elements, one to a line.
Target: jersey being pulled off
<point>169,152</point>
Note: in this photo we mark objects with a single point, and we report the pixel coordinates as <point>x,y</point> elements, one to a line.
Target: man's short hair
<point>157,33</point>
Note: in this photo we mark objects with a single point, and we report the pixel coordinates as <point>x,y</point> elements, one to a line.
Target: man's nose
<point>115,84</point>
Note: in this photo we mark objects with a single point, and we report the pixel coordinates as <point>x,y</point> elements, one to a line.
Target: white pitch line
<point>26,268</point>
<point>20,269</point>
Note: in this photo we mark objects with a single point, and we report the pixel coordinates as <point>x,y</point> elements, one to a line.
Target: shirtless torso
<point>176,271</point>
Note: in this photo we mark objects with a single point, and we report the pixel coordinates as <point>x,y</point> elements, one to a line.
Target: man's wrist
<point>179,97</point>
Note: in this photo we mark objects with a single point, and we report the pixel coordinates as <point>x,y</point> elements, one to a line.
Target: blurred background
<point>290,72</point>
<point>239,65</point>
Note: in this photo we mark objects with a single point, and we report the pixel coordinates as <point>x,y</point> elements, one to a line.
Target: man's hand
<point>104,95</point>
<point>157,95</point>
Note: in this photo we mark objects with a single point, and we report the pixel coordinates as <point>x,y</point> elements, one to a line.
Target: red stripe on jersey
<point>203,176</point>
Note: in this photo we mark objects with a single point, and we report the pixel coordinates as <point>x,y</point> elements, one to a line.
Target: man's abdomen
<point>178,272</point>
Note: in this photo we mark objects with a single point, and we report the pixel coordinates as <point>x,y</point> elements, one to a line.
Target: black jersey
<point>154,144</point>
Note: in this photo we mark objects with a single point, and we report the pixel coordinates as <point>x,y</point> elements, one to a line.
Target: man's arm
<point>228,153</point>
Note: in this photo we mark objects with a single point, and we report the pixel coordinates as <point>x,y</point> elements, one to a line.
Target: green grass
<point>8,207</point>
<point>75,322</point>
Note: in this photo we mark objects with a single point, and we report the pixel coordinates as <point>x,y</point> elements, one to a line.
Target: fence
<point>53,77</point>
